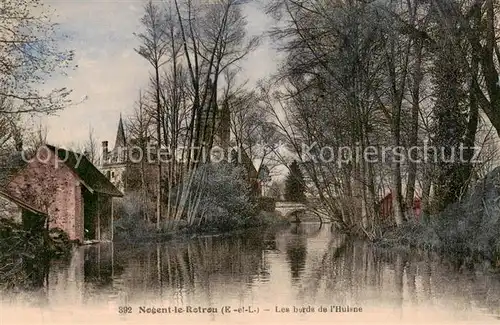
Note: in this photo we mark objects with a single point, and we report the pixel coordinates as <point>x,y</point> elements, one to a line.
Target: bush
<point>223,197</point>
<point>266,204</point>
<point>132,225</point>
<point>472,227</point>
<point>218,200</point>
<point>134,204</point>
<point>275,191</point>
<point>466,230</point>
<point>26,254</point>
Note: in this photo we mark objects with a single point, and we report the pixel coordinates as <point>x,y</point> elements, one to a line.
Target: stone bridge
<point>297,212</point>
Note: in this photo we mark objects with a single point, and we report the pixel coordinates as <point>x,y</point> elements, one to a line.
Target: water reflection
<point>301,264</point>
<point>296,252</point>
<point>98,265</point>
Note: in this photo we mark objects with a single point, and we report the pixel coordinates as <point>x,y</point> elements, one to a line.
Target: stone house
<point>126,175</point>
<point>67,187</point>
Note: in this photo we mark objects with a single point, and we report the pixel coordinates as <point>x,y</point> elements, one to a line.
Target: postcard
<point>249,162</point>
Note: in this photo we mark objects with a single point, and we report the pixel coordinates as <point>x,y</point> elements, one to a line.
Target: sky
<point>110,73</point>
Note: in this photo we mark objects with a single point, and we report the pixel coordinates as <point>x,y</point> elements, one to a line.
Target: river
<point>295,274</point>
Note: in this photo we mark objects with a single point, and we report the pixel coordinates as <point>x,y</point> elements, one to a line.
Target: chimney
<point>104,152</point>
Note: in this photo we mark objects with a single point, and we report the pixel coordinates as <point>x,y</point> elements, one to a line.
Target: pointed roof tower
<point>120,135</point>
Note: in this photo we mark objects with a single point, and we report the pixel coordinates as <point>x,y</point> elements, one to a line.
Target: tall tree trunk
<point>473,118</point>
<point>396,171</point>
<point>143,190</point>
<point>415,110</point>
<point>396,193</point>
<point>158,152</point>
<point>486,54</point>
<point>426,189</point>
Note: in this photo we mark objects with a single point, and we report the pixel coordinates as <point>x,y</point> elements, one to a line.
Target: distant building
<point>385,206</point>
<point>114,162</point>
<point>125,174</point>
<point>215,121</point>
<point>128,174</point>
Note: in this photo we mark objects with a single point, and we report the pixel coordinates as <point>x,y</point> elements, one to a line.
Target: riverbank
<point>411,238</point>
<point>467,231</point>
<point>133,230</point>
<point>24,253</point>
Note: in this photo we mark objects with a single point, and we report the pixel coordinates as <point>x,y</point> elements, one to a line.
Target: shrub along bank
<point>467,231</point>
<point>25,254</point>
<point>217,200</point>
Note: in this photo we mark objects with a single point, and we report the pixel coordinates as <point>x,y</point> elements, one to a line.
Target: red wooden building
<point>386,206</point>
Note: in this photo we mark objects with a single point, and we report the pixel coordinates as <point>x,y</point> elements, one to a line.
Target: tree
<point>477,21</point>
<point>153,48</point>
<point>221,196</point>
<point>91,148</point>
<point>294,184</point>
<point>275,191</point>
<point>28,55</point>
<point>8,130</point>
<point>264,177</point>
<point>264,174</point>
<point>190,45</point>
<point>214,39</point>
<point>140,127</point>
<point>31,140</point>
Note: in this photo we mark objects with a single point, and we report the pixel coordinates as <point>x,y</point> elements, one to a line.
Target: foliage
<point>275,190</point>
<point>466,230</point>
<point>132,228</point>
<point>222,196</point>
<point>217,199</point>
<point>264,174</point>
<point>266,204</point>
<point>189,46</point>
<point>385,75</point>
<point>294,184</point>
<point>132,224</point>
<point>28,55</point>
<point>25,253</point>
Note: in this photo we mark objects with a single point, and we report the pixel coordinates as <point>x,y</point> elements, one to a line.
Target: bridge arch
<point>295,214</point>
<point>293,211</point>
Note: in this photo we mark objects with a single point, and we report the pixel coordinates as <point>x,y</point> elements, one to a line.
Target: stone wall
<point>51,186</point>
